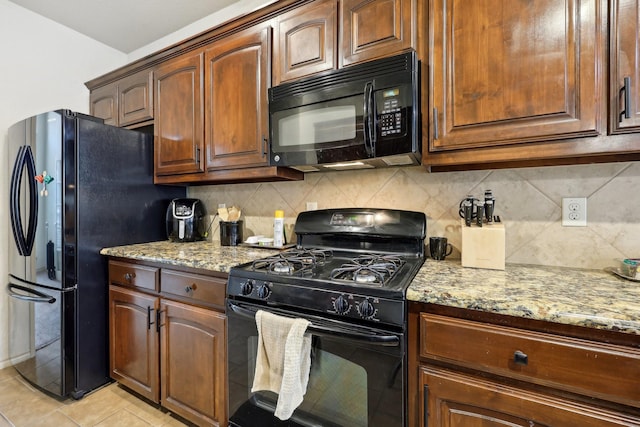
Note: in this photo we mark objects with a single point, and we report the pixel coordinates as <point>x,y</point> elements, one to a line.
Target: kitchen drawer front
<point>133,275</point>
<point>195,287</point>
<point>595,369</point>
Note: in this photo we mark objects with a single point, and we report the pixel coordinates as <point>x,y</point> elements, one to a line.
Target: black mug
<point>439,248</point>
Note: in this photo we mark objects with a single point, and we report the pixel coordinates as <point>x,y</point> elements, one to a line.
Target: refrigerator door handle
<point>24,159</point>
<point>35,296</point>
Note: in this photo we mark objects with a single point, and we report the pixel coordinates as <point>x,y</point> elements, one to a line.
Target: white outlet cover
<point>574,212</point>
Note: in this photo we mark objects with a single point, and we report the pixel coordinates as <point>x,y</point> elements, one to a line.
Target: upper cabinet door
<point>103,103</point>
<point>505,72</point>
<point>238,73</point>
<point>625,54</point>
<point>305,41</point>
<point>179,111</point>
<point>135,102</point>
<point>375,28</point>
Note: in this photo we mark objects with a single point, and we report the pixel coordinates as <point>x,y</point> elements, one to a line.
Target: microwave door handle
<point>369,136</point>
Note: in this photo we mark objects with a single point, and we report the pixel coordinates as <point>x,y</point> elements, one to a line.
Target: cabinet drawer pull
<point>520,358</point>
<point>190,289</point>
<point>129,277</point>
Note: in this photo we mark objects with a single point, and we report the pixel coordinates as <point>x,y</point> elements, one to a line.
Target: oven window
<point>317,126</point>
<point>337,390</point>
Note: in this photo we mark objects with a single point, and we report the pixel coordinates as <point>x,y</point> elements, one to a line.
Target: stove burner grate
<point>293,262</point>
<point>369,269</point>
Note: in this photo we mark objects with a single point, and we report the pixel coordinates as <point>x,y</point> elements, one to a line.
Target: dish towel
<point>283,360</point>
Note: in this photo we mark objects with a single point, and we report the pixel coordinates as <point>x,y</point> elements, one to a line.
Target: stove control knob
<point>247,287</point>
<point>263,292</point>
<point>341,305</point>
<point>366,309</point>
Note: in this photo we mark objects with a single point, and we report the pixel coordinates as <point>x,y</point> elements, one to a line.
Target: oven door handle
<point>382,340</point>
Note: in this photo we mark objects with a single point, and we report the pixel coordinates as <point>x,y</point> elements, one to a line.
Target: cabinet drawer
<point>586,367</point>
<point>133,275</point>
<point>205,289</point>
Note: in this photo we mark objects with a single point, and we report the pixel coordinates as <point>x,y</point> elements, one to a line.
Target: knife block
<point>483,247</point>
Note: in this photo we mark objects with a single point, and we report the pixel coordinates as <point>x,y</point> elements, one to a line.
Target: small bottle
<point>278,229</point>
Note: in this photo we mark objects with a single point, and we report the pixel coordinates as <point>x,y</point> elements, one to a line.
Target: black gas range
<point>350,263</point>
<point>347,276</point>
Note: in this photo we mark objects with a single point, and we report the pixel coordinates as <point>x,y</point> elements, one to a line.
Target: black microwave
<point>362,116</point>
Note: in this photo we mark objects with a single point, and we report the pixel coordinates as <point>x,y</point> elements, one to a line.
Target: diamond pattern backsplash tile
<point>528,200</point>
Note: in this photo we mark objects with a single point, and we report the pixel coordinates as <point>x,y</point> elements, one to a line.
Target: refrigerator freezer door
<point>36,339</point>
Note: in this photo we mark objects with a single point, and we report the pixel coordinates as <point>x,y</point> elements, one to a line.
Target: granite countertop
<point>590,298</point>
<point>203,255</point>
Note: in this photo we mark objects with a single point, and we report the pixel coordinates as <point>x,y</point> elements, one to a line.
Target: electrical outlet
<point>312,206</point>
<point>574,212</point>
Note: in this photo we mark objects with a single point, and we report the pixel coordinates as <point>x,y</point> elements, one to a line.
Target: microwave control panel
<point>391,112</point>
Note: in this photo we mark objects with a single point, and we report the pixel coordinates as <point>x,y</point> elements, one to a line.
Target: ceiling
<point>125,25</point>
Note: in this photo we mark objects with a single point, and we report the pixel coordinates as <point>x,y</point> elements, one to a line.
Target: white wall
<point>44,67</point>
<point>239,8</point>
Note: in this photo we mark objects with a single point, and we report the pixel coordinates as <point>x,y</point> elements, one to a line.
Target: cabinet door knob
<point>191,288</point>
<point>520,358</point>
<point>129,277</point>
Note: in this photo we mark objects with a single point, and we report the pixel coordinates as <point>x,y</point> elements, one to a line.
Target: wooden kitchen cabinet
<point>465,371</point>
<point>507,72</point>
<point>133,341</point>
<point>238,73</point>
<point>168,339</point>
<point>127,102</point>
<point>179,116</point>
<point>193,352</point>
<point>454,399</point>
<point>305,41</point>
<point>329,34</point>
<point>103,103</point>
<point>625,55</point>
<point>374,29</point>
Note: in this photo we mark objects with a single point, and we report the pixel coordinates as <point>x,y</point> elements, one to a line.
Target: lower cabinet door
<point>193,363</point>
<point>453,399</point>
<point>133,341</point>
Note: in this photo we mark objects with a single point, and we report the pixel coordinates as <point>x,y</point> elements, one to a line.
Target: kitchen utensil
<point>479,215</point>
<point>439,248</point>
<point>489,205</point>
<point>223,213</point>
<point>234,213</point>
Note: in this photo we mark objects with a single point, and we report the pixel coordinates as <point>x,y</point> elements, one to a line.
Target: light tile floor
<point>22,405</point>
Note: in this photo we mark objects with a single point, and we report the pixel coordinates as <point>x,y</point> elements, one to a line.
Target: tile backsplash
<point>529,201</point>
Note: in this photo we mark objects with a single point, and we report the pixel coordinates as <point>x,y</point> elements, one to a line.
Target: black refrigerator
<point>76,186</point>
